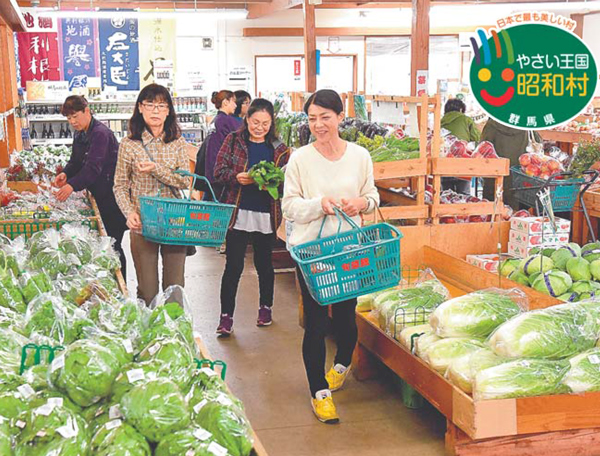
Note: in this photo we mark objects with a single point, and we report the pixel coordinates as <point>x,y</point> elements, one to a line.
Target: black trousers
<point>237,241</point>
<point>115,224</point>
<point>316,322</point>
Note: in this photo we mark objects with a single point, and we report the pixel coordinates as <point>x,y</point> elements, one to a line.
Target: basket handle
<point>341,215</point>
<point>183,172</point>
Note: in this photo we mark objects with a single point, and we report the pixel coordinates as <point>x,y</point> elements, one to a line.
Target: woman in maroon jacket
<point>257,215</point>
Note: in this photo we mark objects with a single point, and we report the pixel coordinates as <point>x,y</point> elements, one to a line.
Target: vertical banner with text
<point>157,42</point>
<point>38,56</point>
<point>119,53</point>
<point>78,51</point>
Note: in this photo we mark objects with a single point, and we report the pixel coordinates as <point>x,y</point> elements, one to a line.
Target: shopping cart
<point>564,191</point>
<point>350,263</point>
<point>185,221</point>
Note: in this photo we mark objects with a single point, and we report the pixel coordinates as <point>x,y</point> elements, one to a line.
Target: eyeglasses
<point>155,106</point>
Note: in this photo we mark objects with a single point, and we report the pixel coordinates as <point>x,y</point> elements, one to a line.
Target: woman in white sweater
<point>320,176</point>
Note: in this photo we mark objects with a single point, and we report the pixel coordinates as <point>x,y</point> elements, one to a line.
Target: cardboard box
<point>535,225</point>
<point>529,239</point>
<point>487,262</point>
<point>523,251</point>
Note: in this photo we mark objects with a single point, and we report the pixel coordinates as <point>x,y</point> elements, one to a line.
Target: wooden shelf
<point>565,136</point>
<point>400,169</point>
<point>472,167</point>
<point>445,210</point>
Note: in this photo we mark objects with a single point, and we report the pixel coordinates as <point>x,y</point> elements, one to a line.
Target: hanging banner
<point>35,22</point>
<point>38,57</point>
<point>78,51</point>
<point>157,43</point>
<point>119,53</point>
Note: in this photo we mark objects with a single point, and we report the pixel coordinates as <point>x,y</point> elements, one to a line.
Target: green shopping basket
<point>352,263</point>
<point>175,221</point>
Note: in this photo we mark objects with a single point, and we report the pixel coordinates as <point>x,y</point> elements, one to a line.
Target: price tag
<point>21,424</point>
<point>26,390</point>
<point>224,400</point>
<point>135,375</point>
<point>56,401</point>
<point>208,371</point>
<point>152,350</point>
<point>199,406</point>
<point>69,430</point>
<point>41,434</point>
<point>113,424</point>
<point>217,449</point>
<point>57,363</point>
<point>128,345</point>
<point>114,412</point>
<point>594,359</point>
<point>44,410</point>
<point>190,453</point>
<point>202,434</point>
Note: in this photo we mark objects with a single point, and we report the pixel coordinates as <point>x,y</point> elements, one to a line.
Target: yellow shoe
<point>324,408</point>
<point>335,379</point>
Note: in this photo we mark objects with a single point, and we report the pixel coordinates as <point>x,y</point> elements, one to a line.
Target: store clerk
<point>92,167</point>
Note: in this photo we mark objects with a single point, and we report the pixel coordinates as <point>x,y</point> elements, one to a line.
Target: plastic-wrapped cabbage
<point>441,353</point>
<point>520,378</point>
<point>156,408</point>
<point>564,254</point>
<point>10,294</point>
<point>76,240</point>
<point>119,438</point>
<point>134,374</point>
<point>553,283</point>
<point>9,319</point>
<point>127,318</point>
<point>223,416</point>
<point>536,263</point>
<point>55,398</point>
<point>477,314</point>
<point>365,303</point>
<point>5,439</point>
<point>579,269</point>
<point>584,372</point>
<point>10,381</point>
<point>12,404</point>
<point>508,266</point>
<point>553,333</point>
<point>34,285</point>
<point>195,441</point>
<point>121,347</point>
<point>591,251</point>
<point>11,341</point>
<point>37,377</point>
<point>462,371</point>
<point>10,362</point>
<point>51,429</point>
<point>423,343</point>
<point>53,262</point>
<point>208,379</point>
<point>406,336</point>
<point>105,256</point>
<point>85,372</point>
<point>168,328</point>
<point>175,354</point>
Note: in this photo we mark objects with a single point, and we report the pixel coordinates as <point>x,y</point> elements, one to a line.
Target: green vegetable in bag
<point>5,439</point>
<point>173,353</point>
<point>442,353</point>
<point>268,177</point>
<point>189,441</point>
<point>119,438</point>
<point>462,371</point>
<point>584,372</point>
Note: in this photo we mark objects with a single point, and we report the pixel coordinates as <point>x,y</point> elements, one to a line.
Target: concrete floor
<point>265,371</point>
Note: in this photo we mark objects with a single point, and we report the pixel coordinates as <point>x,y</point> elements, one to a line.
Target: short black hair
<point>327,99</point>
<point>240,97</point>
<point>454,104</point>
<point>73,104</point>
<point>137,125</point>
<point>260,105</point>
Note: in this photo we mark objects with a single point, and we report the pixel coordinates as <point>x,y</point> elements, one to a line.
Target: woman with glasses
<point>242,101</point>
<point>148,159</point>
<point>257,215</point>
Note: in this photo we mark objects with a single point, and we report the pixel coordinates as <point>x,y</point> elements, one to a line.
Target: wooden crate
<point>507,427</point>
<point>565,136</point>
<point>23,186</point>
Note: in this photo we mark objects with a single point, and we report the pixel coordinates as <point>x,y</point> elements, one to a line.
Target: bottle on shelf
<point>50,132</point>
<point>46,110</point>
<point>57,109</point>
<point>62,134</point>
<point>44,132</point>
<point>34,110</point>
<point>69,133</point>
<point>33,133</point>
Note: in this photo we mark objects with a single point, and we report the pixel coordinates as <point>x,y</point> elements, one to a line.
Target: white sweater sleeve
<point>295,207</point>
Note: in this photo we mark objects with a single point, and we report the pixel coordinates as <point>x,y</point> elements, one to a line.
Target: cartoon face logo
<point>486,71</point>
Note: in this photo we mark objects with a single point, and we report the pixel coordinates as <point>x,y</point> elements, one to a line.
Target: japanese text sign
<point>119,56</point>
<point>79,51</point>
<point>38,57</point>
<point>532,76</point>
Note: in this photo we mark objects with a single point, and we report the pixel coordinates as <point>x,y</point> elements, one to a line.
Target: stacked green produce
<point>123,380</point>
<point>390,148</point>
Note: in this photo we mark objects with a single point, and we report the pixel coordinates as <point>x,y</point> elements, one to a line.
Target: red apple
<point>533,170</point>
<point>525,160</point>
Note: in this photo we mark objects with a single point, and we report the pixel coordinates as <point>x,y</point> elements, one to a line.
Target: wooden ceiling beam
<point>256,11</point>
<point>11,15</point>
<point>262,32</point>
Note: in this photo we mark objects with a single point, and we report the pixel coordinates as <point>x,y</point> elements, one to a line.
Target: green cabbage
<point>579,269</point>
<point>583,286</point>
<point>553,333</point>
<point>595,269</point>
<point>176,356</point>
<point>406,336</point>
<point>536,263</point>
<point>520,378</point>
<point>519,277</point>
<point>462,371</point>
<point>440,354</point>
<point>584,372</point>
<point>553,283</point>
<point>569,297</point>
<point>5,439</point>
<point>508,266</point>
<point>195,441</point>
<point>156,408</point>
<point>564,254</point>
<point>12,404</point>
<point>591,251</point>
<point>119,438</point>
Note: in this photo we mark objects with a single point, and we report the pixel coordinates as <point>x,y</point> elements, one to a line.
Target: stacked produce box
<point>528,233</point>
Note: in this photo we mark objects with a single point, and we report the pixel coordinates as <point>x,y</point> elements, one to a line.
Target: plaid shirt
<point>130,184</point>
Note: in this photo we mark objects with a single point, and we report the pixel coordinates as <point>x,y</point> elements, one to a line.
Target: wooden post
<point>310,47</point>
<point>579,18</point>
<point>8,95</point>
<point>419,41</point>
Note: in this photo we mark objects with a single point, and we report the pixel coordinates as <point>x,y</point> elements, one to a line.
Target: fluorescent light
<point>146,14</point>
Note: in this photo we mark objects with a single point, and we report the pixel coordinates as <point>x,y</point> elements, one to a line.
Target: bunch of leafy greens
<point>268,177</point>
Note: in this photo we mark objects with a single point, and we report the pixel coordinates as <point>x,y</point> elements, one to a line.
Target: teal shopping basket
<point>352,263</point>
<point>175,221</point>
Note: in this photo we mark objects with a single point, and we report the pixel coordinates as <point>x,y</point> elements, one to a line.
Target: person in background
<point>92,167</point>
<point>327,173</point>
<point>257,216</point>
<point>224,123</point>
<point>148,159</point>
<point>457,122</point>
<point>242,101</point>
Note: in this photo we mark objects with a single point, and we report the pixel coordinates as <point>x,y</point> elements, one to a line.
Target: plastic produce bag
<point>224,418</point>
<point>477,314</point>
<point>196,441</point>
<point>584,372</point>
<point>10,381</point>
<point>34,284</point>
<point>175,354</point>
<point>53,397</point>
<point>440,354</point>
<point>37,377</point>
<point>119,438</point>
<point>485,149</point>
<point>156,408</point>
<point>423,343</point>
<point>128,318</point>
<point>118,345</point>
<point>539,165</point>
<point>462,371</point>
<point>51,429</point>
<point>12,320</point>
<point>104,277</point>
<point>406,335</point>
<point>46,317</point>
<point>12,404</point>
<point>5,438</point>
<point>555,332</point>
<point>520,378</point>
<point>105,256</point>
<point>85,372</point>
<point>365,303</point>
<point>46,239</point>
<point>134,374</point>
<point>77,239</point>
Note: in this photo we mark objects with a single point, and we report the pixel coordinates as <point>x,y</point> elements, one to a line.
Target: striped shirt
<point>131,184</point>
